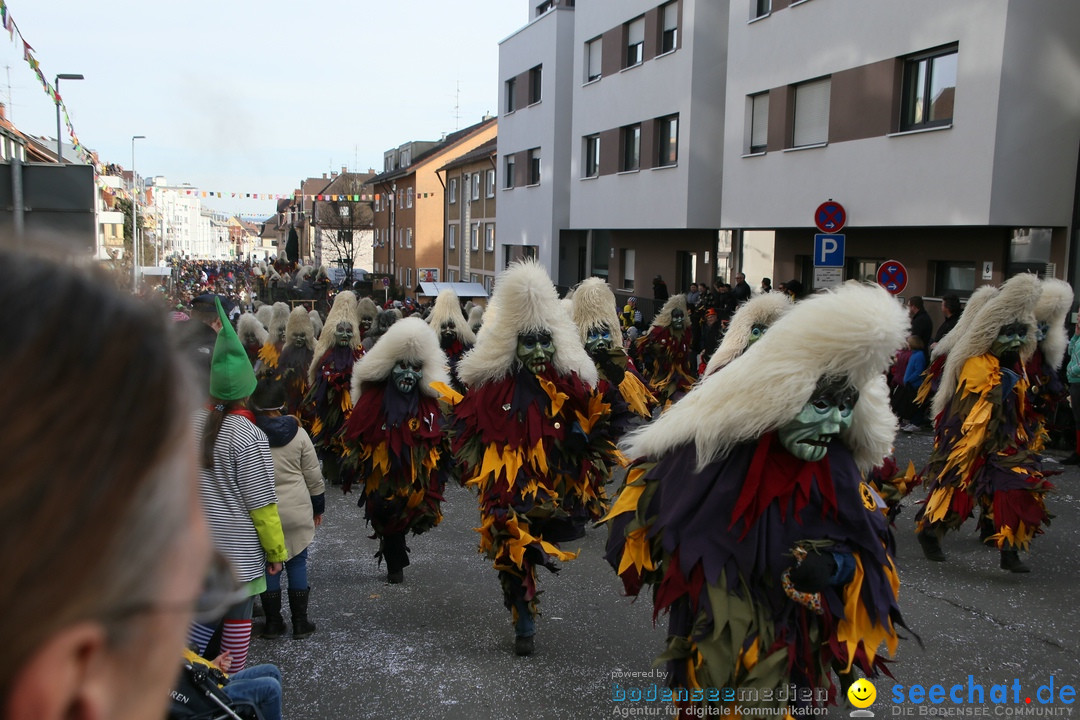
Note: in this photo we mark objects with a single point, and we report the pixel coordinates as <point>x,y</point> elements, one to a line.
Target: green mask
<point>1009,339</point>
<point>823,418</point>
<point>344,334</point>
<point>598,339</point>
<point>406,376</point>
<point>678,319</point>
<point>535,351</point>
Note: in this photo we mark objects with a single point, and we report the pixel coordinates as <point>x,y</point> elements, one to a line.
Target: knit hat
<point>231,374</point>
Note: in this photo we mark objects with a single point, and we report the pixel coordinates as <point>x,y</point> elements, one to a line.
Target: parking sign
<point>828,250</point>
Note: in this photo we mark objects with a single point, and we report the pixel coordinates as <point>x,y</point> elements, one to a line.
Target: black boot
<point>298,602</point>
<point>986,530</point>
<point>275,624</point>
<point>1010,560</point>
<point>931,546</point>
<point>396,555</point>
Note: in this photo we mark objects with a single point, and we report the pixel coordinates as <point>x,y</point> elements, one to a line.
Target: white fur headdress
<point>299,321</point>
<point>366,309</point>
<point>265,315</point>
<point>279,320</point>
<point>1054,304</point>
<point>410,340</point>
<point>343,310</point>
<point>852,332</point>
<point>975,303</point>
<point>447,307</point>
<point>316,322</point>
<point>524,301</point>
<point>594,306</point>
<point>476,318</point>
<point>248,324</point>
<point>765,309</point>
<point>663,318</point>
<point>1015,302</point>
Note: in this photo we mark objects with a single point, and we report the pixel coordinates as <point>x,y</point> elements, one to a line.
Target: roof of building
<point>448,141</point>
<point>483,152</point>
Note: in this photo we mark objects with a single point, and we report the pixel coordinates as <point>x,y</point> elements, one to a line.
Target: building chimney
<point>324,176</point>
<point>344,169</point>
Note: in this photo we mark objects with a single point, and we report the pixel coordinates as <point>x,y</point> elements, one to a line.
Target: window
<point>536,79</point>
<point>489,237</point>
<point>401,237</point>
<point>452,237</point>
<point>630,137</point>
<point>627,260</point>
<point>635,42</point>
<point>592,156</point>
<point>451,190</point>
<point>594,51</point>
<point>957,278</point>
<point>511,90</point>
<point>760,8</point>
<point>474,237</point>
<point>929,89</point>
<point>534,166</point>
<point>544,7</point>
<point>491,183</point>
<point>343,211</point>
<point>668,141</point>
<point>669,28</point>
<point>409,197</point>
<point>811,113</point>
<point>509,165</point>
<point>408,277</point>
<point>759,122</point>
<point>408,237</point>
<point>476,186</point>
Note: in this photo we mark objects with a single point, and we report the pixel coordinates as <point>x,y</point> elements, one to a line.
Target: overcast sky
<point>246,96</point>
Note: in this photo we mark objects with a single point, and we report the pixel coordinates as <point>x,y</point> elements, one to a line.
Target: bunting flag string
<point>28,55</point>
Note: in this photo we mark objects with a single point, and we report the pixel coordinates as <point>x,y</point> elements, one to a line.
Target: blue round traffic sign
<point>893,276</point>
<point>830,217</point>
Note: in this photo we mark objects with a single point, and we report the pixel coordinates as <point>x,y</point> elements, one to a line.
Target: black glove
<point>814,572</point>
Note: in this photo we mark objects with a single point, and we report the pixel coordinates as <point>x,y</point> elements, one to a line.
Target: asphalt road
<point>441,644</point>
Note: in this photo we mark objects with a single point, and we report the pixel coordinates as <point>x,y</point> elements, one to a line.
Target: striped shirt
<point>241,480</point>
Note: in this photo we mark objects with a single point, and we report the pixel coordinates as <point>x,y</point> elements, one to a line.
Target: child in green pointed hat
<point>231,375</point>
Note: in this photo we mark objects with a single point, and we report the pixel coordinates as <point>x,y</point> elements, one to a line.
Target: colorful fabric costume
<point>294,363</point>
<point>667,352</point>
<point>593,311</point>
<point>456,337</point>
<point>329,382</point>
<point>982,456</point>
<point>1046,391</point>
<point>531,436</point>
<point>252,335</point>
<point>729,525</point>
<point>395,448</point>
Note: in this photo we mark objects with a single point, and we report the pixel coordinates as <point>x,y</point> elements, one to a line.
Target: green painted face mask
<point>828,413</point>
<point>406,377</point>
<point>535,351</point>
<point>1009,339</point>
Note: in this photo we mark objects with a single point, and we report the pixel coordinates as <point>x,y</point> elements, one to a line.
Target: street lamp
<point>59,143</point>
<point>134,219</point>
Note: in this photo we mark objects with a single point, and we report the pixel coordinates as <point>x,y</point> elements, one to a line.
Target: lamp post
<point>134,219</point>
<point>56,85</point>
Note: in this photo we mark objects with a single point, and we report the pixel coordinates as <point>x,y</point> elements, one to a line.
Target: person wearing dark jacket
<point>659,290</point>
<point>921,324</point>
<point>951,309</point>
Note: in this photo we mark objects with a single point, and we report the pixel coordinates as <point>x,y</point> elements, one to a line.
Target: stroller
<point>198,696</point>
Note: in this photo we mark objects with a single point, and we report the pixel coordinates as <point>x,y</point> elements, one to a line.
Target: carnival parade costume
<point>928,390</point>
<point>1046,390</point>
<point>982,457</point>
<point>456,337</point>
<point>747,512</point>
<point>593,311</point>
<point>252,335</point>
<point>295,361</point>
<point>270,352</point>
<point>395,447</point>
<point>666,352</point>
<point>531,436</point>
<point>330,379</point>
<point>748,325</point>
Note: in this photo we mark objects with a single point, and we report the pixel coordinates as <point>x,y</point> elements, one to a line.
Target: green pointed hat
<point>231,374</point>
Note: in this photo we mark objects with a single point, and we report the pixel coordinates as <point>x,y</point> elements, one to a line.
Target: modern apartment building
<point>949,132</point>
<point>472,189</point>
<point>632,141</point>
<point>409,224</point>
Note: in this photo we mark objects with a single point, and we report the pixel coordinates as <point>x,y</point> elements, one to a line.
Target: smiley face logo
<point>862,693</point>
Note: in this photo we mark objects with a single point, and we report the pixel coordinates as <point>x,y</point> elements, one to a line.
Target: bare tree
<point>341,219</point>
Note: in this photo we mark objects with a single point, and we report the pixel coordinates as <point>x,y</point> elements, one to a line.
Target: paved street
<point>440,645</point>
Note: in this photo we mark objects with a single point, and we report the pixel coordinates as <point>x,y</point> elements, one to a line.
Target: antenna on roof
<point>457,107</point>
